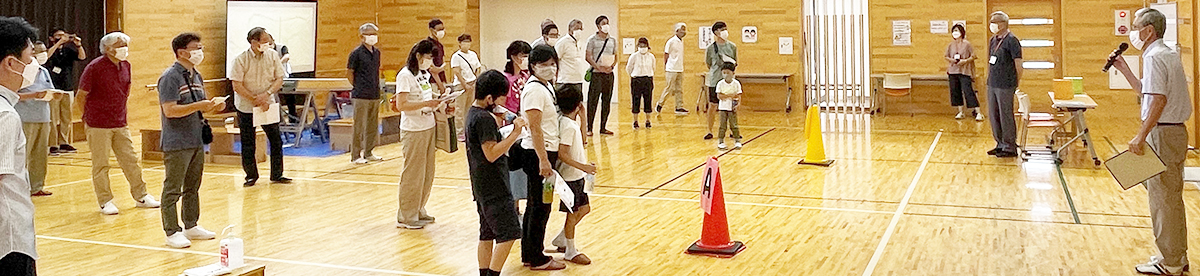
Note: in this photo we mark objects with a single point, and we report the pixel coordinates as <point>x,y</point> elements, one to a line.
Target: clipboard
<point>266,116</point>
<point>1131,169</point>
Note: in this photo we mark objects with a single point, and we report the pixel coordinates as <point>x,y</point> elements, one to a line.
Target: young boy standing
<point>498,225</point>
<point>573,167</point>
<point>729,92</point>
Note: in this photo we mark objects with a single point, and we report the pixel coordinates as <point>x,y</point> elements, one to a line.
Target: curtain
<point>84,18</point>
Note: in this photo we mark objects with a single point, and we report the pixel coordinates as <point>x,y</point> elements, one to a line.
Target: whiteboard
<point>293,24</point>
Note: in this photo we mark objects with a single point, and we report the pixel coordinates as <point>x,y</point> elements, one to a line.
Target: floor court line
<point>702,164</point>
<point>887,235</point>
<point>1067,191</point>
<point>264,259</point>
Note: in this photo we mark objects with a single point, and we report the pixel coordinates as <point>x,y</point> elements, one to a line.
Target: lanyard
<point>999,41</point>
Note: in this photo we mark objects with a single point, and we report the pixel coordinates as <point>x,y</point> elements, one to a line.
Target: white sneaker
<point>978,116</point>
<point>199,233</point>
<point>737,145</point>
<point>721,146</point>
<point>360,161</point>
<point>959,116</point>
<point>178,240</point>
<point>1155,267</point>
<point>148,202</point>
<point>411,226</point>
<point>109,208</point>
<point>374,158</point>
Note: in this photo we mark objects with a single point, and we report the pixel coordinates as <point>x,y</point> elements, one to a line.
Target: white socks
<point>571,251</point>
<point>560,240</point>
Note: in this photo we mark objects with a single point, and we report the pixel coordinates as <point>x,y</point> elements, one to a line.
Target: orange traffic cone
<point>816,147</point>
<point>714,238</point>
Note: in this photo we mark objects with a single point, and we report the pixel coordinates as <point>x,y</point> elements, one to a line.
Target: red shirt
<point>107,85</point>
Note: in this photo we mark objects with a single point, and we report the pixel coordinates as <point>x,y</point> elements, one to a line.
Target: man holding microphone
<point>1165,107</point>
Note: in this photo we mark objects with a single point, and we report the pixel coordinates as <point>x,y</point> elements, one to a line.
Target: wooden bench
<point>341,131</point>
<point>219,152</point>
<point>755,87</point>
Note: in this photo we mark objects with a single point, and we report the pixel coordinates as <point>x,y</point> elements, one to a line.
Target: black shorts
<point>498,221</point>
<point>581,197</point>
<point>712,95</point>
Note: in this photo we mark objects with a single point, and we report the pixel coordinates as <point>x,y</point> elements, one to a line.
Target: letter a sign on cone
<point>714,237</point>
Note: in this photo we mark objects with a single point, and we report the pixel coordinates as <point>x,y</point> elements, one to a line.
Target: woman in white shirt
<point>414,99</point>
<point>641,83</point>
<point>465,65</point>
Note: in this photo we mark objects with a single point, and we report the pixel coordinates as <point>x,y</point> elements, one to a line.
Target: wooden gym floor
<point>906,196</point>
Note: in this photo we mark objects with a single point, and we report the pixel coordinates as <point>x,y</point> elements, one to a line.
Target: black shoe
<point>606,132</point>
<point>66,149</point>
<point>249,182</point>
<point>1006,154</point>
<point>281,180</point>
<point>54,151</point>
<point>708,137</point>
<point>993,151</point>
<point>658,108</point>
<point>635,126</point>
<point>647,124</point>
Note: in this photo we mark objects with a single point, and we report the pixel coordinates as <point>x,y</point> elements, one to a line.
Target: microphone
<point>1120,49</point>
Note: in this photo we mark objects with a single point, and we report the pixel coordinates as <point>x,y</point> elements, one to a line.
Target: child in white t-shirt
<point>573,167</point>
<point>729,92</point>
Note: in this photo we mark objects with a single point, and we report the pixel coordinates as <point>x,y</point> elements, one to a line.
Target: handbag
<point>206,133</point>
<point>444,138</point>
<point>588,76</point>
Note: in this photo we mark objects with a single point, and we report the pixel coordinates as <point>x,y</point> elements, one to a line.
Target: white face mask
<point>426,64</point>
<point>441,34</point>
<point>545,72</point>
<point>643,50</point>
<point>197,57</point>
<point>520,63</point>
<point>605,28</point>
<point>725,34</point>
<point>29,74</point>
<point>122,53</point>
<point>994,27</point>
<point>41,57</point>
<point>551,41</point>
<point>575,33</point>
<point>371,39</point>
<point>957,35</point>
<point>263,47</point>
<point>1135,38</point>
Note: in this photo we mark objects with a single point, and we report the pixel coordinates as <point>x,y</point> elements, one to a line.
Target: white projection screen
<point>293,24</point>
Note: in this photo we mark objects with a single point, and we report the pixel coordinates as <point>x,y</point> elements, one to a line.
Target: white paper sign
<point>705,37</point>
<point>628,46</point>
<point>1121,22</point>
<point>902,33</point>
<point>785,45</point>
<point>939,26</point>
<point>268,116</point>
<point>749,34</point>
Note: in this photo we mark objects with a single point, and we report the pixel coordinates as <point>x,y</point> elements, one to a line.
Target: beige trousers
<point>674,86</point>
<point>1166,194</point>
<point>37,149</point>
<point>117,140</point>
<point>60,122</point>
<point>416,179</point>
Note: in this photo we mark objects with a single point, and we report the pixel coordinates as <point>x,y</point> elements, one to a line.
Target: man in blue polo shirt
<point>1004,74</point>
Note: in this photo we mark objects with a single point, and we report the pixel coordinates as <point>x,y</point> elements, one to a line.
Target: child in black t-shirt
<point>498,225</point>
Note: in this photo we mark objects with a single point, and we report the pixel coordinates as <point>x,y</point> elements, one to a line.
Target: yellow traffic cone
<point>816,147</point>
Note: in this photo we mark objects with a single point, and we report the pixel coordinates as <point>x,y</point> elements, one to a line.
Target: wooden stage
<point>907,196</point>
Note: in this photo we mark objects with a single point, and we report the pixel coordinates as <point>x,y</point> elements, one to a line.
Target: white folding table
<point>1075,108</point>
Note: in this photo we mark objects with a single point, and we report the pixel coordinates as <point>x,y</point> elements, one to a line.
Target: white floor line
<point>355,268</point>
<point>887,235</point>
<point>748,204</point>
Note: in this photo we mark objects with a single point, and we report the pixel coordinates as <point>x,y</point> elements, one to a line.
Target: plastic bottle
<point>232,250</point>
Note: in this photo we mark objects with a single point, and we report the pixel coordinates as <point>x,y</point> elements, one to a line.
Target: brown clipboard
<point>1131,169</point>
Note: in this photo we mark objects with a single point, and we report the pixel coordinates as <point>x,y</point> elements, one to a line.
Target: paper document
<point>451,96</point>
<point>1130,169</point>
<point>507,130</point>
<point>220,99</point>
<point>268,116</point>
<point>50,93</point>
<point>564,192</point>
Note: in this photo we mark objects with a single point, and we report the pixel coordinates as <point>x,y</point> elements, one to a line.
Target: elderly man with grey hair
<point>363,71</point>
<point>104,92</point>
<point>673,59</point>
<point>1165,107</point>
<point>1004,74</point>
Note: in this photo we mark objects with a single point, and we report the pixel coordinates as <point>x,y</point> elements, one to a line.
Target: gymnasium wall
<point>655,19</point>
<point>402,23</point>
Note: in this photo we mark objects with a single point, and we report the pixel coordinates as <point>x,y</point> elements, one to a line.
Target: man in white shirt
<point>673,58</point>
<point>257,76</point>
<point>465,65</point>
<point>541,40</point>
<point>1165,107</point>
<point>17,69</point>
<point>571,64</point>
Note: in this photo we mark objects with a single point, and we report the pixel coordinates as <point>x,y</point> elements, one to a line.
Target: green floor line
<point>1062,180</point>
